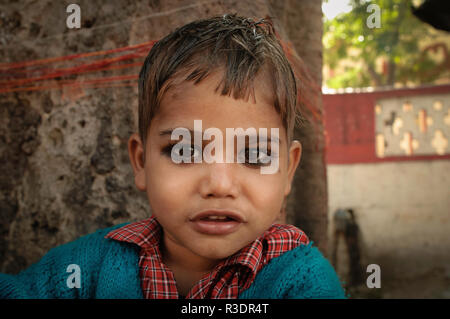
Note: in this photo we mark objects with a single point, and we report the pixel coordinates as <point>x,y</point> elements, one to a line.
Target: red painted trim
<point>350,127</point>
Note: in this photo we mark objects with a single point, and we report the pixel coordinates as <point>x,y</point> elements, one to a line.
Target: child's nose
<point>220,180</point>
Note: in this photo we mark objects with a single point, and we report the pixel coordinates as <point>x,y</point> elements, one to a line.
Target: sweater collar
<point>272,243</point>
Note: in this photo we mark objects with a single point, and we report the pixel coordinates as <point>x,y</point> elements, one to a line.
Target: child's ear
<point>294,156</point>
<point>136,153</point>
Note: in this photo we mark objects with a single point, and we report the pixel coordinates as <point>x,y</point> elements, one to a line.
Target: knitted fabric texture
<point>302,273</point>
<point>110,270</point>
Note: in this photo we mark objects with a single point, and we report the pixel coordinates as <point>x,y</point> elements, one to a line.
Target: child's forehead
<point>184,107</point>
<point>181,91</point>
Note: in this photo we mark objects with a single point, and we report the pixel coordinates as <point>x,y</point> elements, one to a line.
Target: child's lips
<point>215,227</point>
<point>216,222</point>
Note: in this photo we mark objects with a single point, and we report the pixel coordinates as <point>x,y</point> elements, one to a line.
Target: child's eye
<point>255,157</point>
<point>176,152</point>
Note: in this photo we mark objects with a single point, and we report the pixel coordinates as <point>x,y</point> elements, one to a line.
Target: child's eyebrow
<point>170,130</point>
<point>191,132</point>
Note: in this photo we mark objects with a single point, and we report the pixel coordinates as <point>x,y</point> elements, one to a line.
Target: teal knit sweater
<point>109,269</point>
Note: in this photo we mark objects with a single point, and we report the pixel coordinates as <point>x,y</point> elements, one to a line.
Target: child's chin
<point>218,252</point>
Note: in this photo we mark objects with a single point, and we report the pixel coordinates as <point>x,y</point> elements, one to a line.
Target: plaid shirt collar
<point>146,233</point>
<point>274,242</point>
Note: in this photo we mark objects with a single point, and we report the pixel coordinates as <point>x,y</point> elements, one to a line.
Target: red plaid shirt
<point>227,280</point>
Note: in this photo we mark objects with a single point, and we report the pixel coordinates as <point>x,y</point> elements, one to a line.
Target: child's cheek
<point>165,189</point>
<point>267,190</point>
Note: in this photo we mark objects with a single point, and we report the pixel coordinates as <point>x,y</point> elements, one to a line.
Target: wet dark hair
<point>239,47</point>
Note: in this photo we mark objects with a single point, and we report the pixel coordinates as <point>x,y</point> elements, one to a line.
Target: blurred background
<point>386,85</point>
<point>373,184</point>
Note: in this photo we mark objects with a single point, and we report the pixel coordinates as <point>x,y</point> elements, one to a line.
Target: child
<point>212,233</point>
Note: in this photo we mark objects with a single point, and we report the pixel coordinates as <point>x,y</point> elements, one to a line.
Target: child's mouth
<point>216,223</point>
<point>217,218</point>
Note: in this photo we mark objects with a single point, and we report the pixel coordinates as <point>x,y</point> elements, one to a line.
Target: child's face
<point>177,193</point>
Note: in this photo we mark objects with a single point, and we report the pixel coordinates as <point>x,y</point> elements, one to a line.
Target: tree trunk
<point>376,78</point>
<point>308,203</point>
<point>392,67</point>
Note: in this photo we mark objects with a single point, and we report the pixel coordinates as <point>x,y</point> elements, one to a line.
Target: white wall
<point>403,213</point>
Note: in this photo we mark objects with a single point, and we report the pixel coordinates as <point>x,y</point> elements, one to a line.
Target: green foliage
<point>348,37</point>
